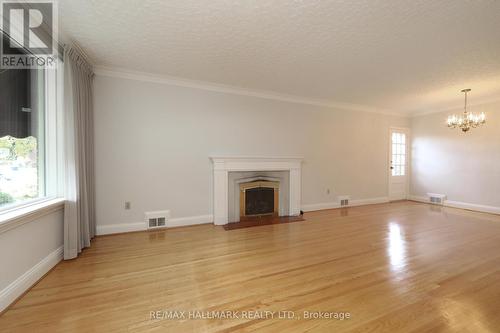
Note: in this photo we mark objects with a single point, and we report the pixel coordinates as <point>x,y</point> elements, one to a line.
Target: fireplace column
<point>295,191</point>
<point>220,195</point>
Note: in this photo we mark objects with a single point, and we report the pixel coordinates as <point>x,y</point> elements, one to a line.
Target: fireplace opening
<point>259,201</point>
<point>259,198</point>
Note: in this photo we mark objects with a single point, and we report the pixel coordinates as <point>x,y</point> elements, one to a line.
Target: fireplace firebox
<point>259,198</point>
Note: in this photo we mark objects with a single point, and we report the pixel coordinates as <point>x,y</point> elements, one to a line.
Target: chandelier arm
<point>465,104</point>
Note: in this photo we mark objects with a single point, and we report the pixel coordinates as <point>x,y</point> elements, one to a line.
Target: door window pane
<point>398,154</point>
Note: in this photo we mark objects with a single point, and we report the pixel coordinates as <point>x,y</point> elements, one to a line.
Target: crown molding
<point>477,103</point>
<point>118,72</point>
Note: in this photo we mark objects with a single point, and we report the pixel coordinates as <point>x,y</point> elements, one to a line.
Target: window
<point>398,154</point>
<point>25,121</point>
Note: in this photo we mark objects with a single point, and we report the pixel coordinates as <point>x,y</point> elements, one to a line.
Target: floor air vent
<point>156,222</point>
<point>157,219</point>
<point>344,200</point>
<point>435,198</point>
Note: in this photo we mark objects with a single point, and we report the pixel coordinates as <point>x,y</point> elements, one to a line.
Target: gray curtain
<point>79,212</point>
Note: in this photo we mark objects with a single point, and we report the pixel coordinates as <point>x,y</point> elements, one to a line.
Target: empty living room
<point>249,166</point>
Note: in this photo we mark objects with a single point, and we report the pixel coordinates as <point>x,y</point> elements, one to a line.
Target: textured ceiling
<point>405,56</point>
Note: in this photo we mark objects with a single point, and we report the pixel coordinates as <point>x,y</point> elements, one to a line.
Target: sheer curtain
<point>79,210</point>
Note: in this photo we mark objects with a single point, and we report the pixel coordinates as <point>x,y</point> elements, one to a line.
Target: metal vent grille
<point>343,200</point>
<point>436,198</point>
<point>157,219</point>
<point>153,223</point>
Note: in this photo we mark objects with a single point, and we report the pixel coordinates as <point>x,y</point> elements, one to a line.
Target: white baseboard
<point>476,207</point>
<point>369,201</point>
<point>192,220</point>
<point>418,198</point>
<point>141,226</point>
<point>119,228</point>
<point>352,203</point>
<point>10,293</point>
<point>462,205</point>
<point>201,219</point>
<point>320,206</point>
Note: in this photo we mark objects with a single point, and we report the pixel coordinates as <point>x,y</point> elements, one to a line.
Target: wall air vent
<point>436,198</point>
<point>157,219</point>
<point>343,200</point>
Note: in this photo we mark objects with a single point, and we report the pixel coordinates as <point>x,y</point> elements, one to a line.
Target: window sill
<point>19,216</point>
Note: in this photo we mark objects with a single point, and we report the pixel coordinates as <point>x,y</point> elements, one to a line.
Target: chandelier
<point>467,120</point>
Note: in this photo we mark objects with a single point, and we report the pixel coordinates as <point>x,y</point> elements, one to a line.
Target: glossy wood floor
<point>399,267</point>
<point>259,221</point>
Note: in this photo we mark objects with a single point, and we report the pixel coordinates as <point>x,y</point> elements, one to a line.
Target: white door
<point>398,164</point>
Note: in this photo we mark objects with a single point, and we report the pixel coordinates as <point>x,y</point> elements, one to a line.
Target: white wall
<point>27,252</point>
<point>153,143</point>
<point>464,166</point>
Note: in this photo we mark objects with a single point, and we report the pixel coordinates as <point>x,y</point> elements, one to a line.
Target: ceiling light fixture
<point>467,120</point>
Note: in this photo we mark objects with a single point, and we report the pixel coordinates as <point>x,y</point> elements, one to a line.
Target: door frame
<point>407,131</point>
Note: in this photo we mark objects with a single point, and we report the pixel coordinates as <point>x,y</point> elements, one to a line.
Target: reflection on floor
<point>395,267</point>
<point>262,220</point>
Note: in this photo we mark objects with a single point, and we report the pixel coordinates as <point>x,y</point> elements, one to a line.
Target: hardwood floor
<point>398,267</point>
<point>259,221</point>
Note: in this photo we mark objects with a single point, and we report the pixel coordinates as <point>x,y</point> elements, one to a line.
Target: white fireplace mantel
<point>222,165</point>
